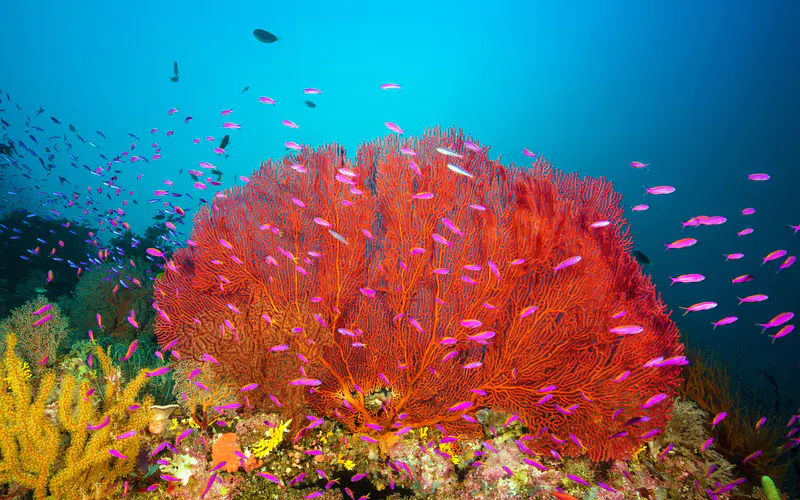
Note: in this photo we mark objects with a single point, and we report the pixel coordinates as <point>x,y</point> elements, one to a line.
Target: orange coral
<point>226,449</point>
<point>398,291</point>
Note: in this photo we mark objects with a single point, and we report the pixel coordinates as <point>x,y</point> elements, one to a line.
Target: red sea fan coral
<point>396,291</point>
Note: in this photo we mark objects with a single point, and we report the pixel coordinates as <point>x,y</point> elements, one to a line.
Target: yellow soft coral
<point>448,448</point>
<point>638,453</point>
<point>30,441</point>
<point>273,439</point>
<point>24,370</point>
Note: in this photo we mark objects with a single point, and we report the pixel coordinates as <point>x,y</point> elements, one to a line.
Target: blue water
<point>705,91</point>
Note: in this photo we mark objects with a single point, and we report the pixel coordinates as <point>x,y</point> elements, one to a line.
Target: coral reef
<point>405,292</point>
<point>116,291</point>
<point>708,383</point>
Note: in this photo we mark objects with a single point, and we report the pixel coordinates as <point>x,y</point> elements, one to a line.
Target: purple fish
<point>788,262</point>
<point>758,177</point>
<point>786,330</point>
<point>777,320</point>
<point>725,321</point>
<point>700,306</point>
<point>687,278</point>
<point>569,262</point>
<point>777,254</point>
<point>659,189</point>
<point>627,330</point>
<point>654,401</point>
<point>759,297</point>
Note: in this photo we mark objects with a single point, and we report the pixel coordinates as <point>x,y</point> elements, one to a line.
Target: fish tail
<point>646,191</point>
<point>673,280</point>
<point>715,326</point>
<point>740,300</point>
<point>686,309</point>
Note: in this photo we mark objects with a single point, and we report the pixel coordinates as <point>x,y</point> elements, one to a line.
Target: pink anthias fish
<point>786,330</point>
<point>626,330</point>
<point>231,125</point>
<point>778,320</point>
<point>733,256</point>
<point>742,279</point>
<point>719,417</point>
<point>787,263</point>
<point>687,278</point>
<point>777,254</point>
<point>745,232</point>
<point>681,243</point>
<point>758,177</point>
<point>394,128</point>
<point>700,306</point>
<point>312,91</point>
<point>638,164</point>
<point>640,208</point>
<point>704,220</point>
<point>748,211</point>
<point>290,124</point>
<point>226,112</point>
<point>266,100</point>
<point>725,321</point>
<point>567,263</point>
<point>759,297</point>
<point>387,86</point>
<point>654,401</point>
<point>659,189</point>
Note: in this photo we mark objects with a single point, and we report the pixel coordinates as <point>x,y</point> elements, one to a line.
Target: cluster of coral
<point>394,327</point>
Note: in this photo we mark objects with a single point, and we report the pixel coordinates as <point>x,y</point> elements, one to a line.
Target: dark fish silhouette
<point>265,36</point>
<point>640,257</point>
<point>245,89</point>
<point>55,120</point>
<point>225,141</point>
<point>174,79</point>
<point>39,111</point>
<point>310,104</point>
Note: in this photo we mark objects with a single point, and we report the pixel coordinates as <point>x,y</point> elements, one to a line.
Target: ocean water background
<point>707,92</point>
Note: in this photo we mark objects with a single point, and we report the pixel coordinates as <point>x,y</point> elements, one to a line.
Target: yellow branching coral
<point>274,437</point>
<point>30,442</point>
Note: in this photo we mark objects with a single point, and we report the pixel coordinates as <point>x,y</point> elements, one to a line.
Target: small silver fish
<point>459,170</point>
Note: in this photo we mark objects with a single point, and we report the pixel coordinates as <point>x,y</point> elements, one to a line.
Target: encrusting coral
<point>102,426</point>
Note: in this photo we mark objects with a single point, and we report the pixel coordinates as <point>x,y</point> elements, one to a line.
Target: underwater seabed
<point>58,442</point>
